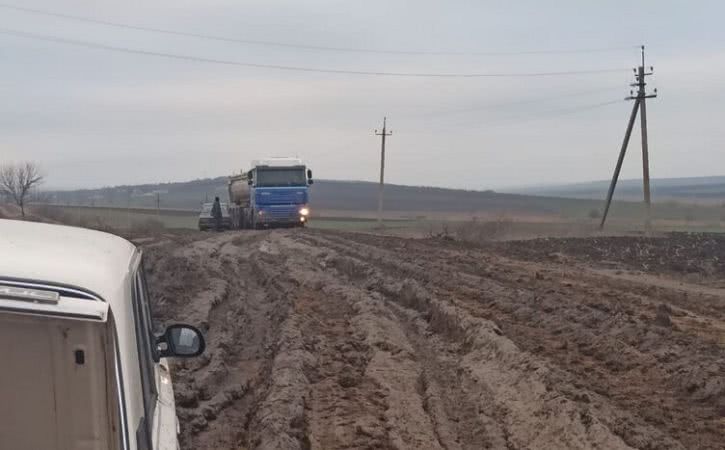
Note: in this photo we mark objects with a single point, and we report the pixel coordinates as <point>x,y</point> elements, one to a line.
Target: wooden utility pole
<point>383,134</point>
<point>641,94</point>
<point>639,105</point>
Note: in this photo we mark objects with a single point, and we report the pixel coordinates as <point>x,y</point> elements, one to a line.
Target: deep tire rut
<point>327,340</point>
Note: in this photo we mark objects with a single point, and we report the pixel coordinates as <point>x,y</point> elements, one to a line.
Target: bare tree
<point>16,180</point>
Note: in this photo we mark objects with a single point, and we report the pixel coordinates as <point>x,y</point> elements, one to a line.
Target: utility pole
<point>383,134</point>
<point>639,105</point>
<point>645,150</point>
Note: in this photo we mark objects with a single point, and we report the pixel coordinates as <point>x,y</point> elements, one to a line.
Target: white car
<point>80,365</point>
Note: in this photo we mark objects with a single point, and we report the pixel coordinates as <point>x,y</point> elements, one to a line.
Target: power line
<point>566,111</point>
<point>514,102</point>
<point>308,47</point>
<point>94,45</point>
<point>504,120</point>
<point>518,119</point>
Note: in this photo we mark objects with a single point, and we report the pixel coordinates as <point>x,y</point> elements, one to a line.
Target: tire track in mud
<point>530,413</point>
<point>455,420</point>
<point>362,389</point>
<point>342,340</point>
<point>640,383</point>
<point>228,289</point>
<point>318,379</point>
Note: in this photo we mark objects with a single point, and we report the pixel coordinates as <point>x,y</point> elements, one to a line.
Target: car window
<point>147,354</point>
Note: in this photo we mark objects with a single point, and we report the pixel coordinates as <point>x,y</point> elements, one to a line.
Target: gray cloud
<point>94,117</point>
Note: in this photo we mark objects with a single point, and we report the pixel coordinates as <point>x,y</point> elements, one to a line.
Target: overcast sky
<point>93,117</point>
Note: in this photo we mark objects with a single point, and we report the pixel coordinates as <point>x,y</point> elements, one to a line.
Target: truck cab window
<point>280,177</point>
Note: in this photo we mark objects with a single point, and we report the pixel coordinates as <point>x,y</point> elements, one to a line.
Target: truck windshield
<point>281,177</point>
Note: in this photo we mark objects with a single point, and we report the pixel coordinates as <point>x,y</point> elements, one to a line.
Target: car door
<point>158,429</point>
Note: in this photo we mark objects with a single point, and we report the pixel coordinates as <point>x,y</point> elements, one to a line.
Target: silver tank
<point>239,189</point>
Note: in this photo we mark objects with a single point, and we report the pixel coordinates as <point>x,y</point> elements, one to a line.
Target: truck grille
<point>283,211</point>
<point>281,196</point>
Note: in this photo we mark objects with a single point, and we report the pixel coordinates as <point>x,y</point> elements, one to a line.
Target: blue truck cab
<point>274,192</point>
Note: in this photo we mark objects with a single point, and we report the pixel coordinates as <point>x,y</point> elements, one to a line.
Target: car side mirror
<point>181,341</point>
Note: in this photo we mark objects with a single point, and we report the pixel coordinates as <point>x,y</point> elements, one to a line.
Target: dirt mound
<point>339,340</point>
<point>683,253</point>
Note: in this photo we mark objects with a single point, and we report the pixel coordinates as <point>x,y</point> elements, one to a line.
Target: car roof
<point>56,254</point>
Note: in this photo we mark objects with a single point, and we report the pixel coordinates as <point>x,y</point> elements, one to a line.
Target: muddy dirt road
<point>327,340</point>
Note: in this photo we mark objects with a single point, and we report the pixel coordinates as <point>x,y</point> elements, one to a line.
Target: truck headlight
<point>305,211</point>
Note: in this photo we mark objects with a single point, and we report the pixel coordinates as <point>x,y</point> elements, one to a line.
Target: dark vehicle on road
<point>206,220</point>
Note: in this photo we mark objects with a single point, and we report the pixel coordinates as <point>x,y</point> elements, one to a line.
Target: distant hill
<point>692,189</point>
<point>361,197</point>
<point>325,194</point>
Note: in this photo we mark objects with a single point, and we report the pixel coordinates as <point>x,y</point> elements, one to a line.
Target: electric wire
<point>525,101</point>
<point>94,45</point>
<point>553,113</point>
<point>308,47</point>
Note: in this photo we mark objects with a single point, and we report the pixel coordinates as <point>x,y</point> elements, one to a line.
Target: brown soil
<point>676,253</point>
<point>326,340</point>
